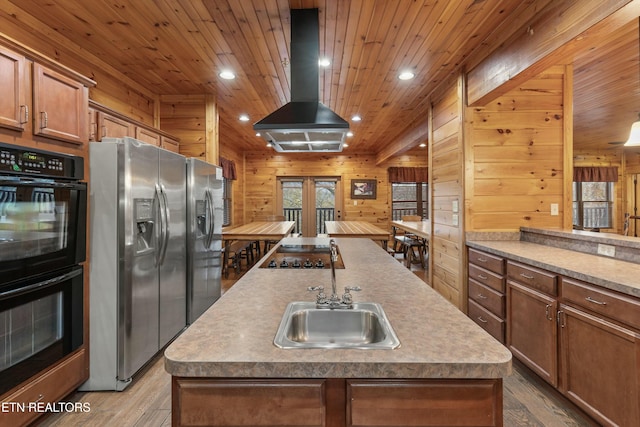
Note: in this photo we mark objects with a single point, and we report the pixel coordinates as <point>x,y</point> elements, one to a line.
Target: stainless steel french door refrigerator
<point>204,236</point>
<point>137,257</point>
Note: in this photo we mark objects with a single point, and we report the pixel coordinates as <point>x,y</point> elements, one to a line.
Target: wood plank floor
<point>528,401</point>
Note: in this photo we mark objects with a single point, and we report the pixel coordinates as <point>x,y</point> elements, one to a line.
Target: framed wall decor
<point>363,188</point>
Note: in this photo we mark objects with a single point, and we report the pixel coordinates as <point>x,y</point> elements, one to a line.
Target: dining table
<point>361,229</point>
<point>419,228</point>
<point>255,231</point>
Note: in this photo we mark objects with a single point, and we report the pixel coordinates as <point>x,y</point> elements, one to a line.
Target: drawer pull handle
<point>482,296</point>
<point>480,259</point>
<point>482,320</point>
<point>482,276</point>
<point>526,276</point>
<point>548,312</point>
<point>44,120</point>
<point>595,301</point>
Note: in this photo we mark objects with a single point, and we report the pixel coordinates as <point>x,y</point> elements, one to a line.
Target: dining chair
<point>413,248</point>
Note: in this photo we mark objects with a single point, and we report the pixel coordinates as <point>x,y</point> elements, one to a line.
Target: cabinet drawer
<point>538,279</point>
<point>487,320</point>
<point>487,298</point>
<point>490,262</point>
<point>424,402</point>
<point>48,388</point>
<point>613,305</point>
<point>486,277</point>
<point>226,402</point>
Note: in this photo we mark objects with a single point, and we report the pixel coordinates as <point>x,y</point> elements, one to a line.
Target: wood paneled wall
<point>262,170</point>
<point>515,157</point>
<point>446,171</point>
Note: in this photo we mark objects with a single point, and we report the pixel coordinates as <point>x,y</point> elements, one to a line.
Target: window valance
<point>228,168</point>
<point>407,174</point>
<point>595,174</point>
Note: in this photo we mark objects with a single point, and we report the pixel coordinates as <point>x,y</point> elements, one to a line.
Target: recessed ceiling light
<point>257,133</point>
<point>422,145</point>
<point>227,75</point>
<point>324,62</point>
<point>356,118</point>
<point>243,118</point>
<point>269,145</point>
<point>345,145</point>
<point>406,75</point>
<point>349,133</point>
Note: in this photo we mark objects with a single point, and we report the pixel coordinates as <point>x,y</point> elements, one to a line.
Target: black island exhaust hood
<point>304,124</point>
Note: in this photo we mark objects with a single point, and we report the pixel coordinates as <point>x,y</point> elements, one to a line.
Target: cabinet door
<point>248,402</point>
<point>61,106</point>
<point>148,136</point>
<point>14,112</point>
<point>170,144</point>
<point>532,330</point>
<point>113,127</point>
<point>600,367</point>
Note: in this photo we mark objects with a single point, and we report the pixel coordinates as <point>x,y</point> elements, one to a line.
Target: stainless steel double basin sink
<point>365,326</point>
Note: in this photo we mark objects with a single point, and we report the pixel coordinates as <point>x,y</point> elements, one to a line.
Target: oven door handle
<point>40,285</point>
<point>42,184</point>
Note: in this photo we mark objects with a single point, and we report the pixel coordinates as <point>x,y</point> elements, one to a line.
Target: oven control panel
<point>15,160</point>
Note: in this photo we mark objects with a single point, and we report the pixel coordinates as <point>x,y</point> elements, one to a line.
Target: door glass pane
<point>325,204</point>
<point>292,203</point>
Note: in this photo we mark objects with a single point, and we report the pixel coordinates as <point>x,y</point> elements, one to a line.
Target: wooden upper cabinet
<point>60,106</point>
<point>148,136</point>
<point>170,144</point>
<point>112,127</point>
<point>14,111</point>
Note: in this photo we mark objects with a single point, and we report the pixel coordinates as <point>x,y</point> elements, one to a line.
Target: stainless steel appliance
<point>204,236</point>
<point>43,206</point>
<point>138,257</point>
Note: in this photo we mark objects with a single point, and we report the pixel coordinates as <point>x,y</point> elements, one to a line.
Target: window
<point>409,198</point>
<point>593,204</point>
<point>226,201</point>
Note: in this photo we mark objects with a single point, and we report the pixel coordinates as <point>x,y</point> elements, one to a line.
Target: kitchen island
<point>226,370</point>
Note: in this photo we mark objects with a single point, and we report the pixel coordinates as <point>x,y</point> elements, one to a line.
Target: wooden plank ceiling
<point>179,47</point>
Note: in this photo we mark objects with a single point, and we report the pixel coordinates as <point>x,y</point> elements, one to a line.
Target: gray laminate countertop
<point>234,338</point>
<point>617,275</point>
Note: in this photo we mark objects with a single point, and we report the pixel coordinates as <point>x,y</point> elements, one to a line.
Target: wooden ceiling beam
<point>409,139</point>
<point>553,36</point>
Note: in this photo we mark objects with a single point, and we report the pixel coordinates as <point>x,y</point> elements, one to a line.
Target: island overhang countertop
<point>234,338</point>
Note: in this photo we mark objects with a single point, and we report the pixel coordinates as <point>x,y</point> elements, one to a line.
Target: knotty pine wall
<point>446,175</point>
<point>262,169</point>
<point>515,157</point>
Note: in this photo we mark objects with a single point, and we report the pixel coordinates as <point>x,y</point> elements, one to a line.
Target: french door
<point>310,201</point>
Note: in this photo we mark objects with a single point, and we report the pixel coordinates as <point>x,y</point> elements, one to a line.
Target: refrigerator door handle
<point>209,200</point>
<point>160,237</point>
<point>167,219</point>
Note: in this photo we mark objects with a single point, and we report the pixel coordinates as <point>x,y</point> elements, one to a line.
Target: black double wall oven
<point>43,218</point>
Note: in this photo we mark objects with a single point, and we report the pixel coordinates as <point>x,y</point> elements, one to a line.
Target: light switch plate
<point>554,209</point>
<point>454,219</point>
<point>454,206</point>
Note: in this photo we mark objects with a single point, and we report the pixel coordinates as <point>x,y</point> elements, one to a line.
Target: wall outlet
<point>454,206</point>
<point>454,219</point>
<point>606,250</point>
<point>554,209</point>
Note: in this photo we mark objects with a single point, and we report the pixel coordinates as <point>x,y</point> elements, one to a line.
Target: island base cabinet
<point>601,367</point>
<point>252,402</point>
<point>335,402</point>
<point>424,403</point>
